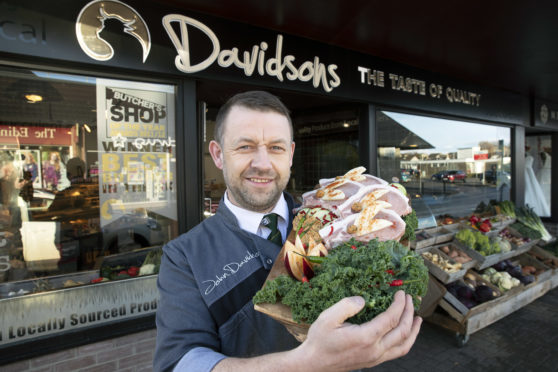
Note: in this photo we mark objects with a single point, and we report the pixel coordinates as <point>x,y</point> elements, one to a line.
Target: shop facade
<point>107,109</point>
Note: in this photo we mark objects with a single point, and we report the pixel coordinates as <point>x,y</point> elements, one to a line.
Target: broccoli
<point>466,237</point>
<point>411,224</point>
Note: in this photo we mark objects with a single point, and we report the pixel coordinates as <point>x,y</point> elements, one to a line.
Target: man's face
<point>255,156</point>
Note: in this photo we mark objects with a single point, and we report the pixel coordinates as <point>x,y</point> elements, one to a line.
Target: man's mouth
<point>260,180</point>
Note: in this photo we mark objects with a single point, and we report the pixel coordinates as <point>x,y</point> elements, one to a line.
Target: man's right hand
<point>333,345</point>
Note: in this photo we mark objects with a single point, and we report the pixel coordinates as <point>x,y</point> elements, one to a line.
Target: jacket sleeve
<point>184,322</point>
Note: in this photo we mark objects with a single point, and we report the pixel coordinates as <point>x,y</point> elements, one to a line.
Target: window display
<point>87,179</point>
<point>449,168</point>
<point>538,162</point>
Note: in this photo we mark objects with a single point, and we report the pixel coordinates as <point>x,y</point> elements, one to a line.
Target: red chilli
<point>353,247</point>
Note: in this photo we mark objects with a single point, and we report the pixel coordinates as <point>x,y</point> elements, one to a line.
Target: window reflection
<point>538,162</point>
<point>448,167</point>
<point>76,204</point>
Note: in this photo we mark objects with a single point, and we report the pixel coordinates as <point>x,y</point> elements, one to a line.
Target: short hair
<point>255,100</point>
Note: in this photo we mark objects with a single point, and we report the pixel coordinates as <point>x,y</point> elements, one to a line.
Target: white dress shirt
<point>252,221</point>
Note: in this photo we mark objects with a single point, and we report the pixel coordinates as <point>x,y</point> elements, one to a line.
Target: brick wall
<point>123,354</point>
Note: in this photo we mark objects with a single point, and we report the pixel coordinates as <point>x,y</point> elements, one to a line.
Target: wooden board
<point>283,314</point>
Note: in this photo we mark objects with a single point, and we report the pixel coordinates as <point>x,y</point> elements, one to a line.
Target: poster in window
<point>29,161</point>
<point>136,141</point>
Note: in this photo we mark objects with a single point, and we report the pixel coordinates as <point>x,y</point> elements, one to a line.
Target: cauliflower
<point>147,269</point>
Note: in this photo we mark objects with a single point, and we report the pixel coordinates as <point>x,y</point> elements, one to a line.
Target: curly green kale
<point>352,269</point>
<point>411,224</point>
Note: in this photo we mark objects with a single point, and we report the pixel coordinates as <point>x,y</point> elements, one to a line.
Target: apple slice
<point>318,250</point>
<point>294,265</point>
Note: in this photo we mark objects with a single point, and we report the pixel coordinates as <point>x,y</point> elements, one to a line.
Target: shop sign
<point>136,141</point>
<point>165,40</point>
<point>51,313</point>
<point>414,86</point>
<point>26,135</point>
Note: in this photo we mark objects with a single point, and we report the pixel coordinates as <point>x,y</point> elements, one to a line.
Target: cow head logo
<point>91,21</point>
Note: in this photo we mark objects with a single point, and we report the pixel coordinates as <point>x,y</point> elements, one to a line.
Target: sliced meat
<point>346,189</point>
<point>390,226</point>
<point>366,195</point>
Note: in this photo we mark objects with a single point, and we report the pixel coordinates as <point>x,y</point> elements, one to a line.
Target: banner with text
<point>136,143</point>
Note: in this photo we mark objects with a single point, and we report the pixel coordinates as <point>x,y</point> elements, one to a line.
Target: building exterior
<point>106,110</point>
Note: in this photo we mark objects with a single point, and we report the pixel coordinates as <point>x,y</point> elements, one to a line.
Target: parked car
<point>438,176</point>
<point>455,175</point>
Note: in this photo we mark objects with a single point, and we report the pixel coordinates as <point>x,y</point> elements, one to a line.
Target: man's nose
<point>261,159</point>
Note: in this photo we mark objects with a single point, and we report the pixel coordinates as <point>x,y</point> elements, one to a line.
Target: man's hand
<point>333,345</point>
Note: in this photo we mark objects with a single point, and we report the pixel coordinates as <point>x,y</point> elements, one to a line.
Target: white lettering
<point>315,71</point>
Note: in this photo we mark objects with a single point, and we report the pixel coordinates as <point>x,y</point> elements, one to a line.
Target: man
<point>205,319</point>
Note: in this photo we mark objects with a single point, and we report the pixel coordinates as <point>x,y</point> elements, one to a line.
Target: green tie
<point>270,221</point>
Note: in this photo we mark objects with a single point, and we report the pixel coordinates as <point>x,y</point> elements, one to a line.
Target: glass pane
<point>537,173</point>
<point>87,178</point>
<point>449,168</point>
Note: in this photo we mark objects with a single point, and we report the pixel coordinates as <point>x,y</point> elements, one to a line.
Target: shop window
<point>537,173</point>
<point>449,168</point>
<point>88,179</point>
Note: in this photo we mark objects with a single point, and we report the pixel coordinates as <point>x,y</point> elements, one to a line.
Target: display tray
<point>132,258</point>
<point>524,246</point>
<point>543,271</point>
<point>452,246</point>
<point>441,274</point>
<point>55,282</point>
<point>483,262</point>
<point>441,234</point>
<point>424,239</point>
<point>457,310</point>
<point>545,257</point>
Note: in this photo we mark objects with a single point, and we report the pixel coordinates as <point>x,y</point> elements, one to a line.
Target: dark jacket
<point>206,282</point>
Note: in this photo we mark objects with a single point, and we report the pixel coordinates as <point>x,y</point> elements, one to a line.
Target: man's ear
<point>292,153</point>
<point>216,154</point>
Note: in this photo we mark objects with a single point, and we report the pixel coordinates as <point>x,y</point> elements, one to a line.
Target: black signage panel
<point>140,36</point>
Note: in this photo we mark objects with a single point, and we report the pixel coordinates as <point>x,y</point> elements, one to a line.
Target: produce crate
<point>424,240</point>
<point>467,321</point>
<point>502,221</point>
<point>452,246</point>
<point>457,310</point>
<point>440,234</point>
<point>442,275</point>
<point>522,247</point>
<point>543,271</point>
<point>483,262</point>
<point>545,257</point>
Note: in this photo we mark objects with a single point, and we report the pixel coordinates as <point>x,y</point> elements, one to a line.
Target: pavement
<point>525,340</point>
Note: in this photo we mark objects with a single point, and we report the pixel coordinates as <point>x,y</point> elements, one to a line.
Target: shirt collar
<point>250,221</point>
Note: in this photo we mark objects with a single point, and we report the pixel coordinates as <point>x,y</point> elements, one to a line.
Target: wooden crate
<point>442,275</point>
<point>489,312</point>
<point>467,265</point>
<point>423,243</point>
<point>457,310</point>
<point>545,257</point>
<point>483,262</point>
<point>543,272</point>
<point>440,234</point>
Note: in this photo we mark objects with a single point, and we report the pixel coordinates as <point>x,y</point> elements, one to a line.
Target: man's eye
<point>277,148</point>
<point>244,147</point>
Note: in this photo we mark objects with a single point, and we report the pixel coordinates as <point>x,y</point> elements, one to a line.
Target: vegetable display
<point>529,218</point>
<point>479,242</point>
<point>374,270</point>
<point>507,208</point>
